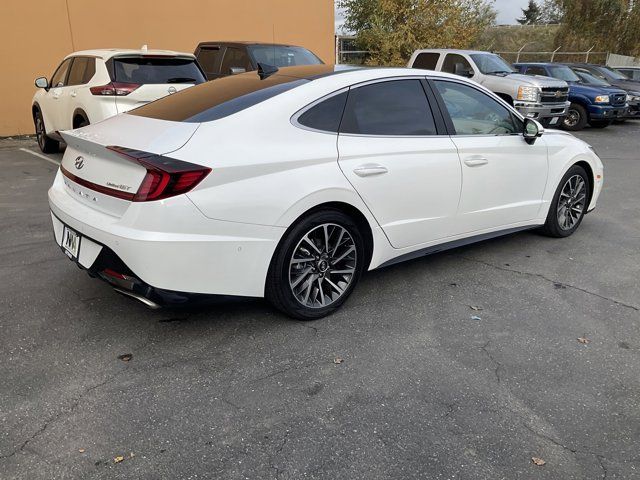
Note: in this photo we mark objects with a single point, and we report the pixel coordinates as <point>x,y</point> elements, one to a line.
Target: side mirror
<point>461,71</point>
<point>42,82</point>
<point>237,70</point>
<point>532,130</point>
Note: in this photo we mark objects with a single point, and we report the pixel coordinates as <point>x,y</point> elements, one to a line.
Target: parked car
<point>291,185</point>
<point>631,72</point>
<point>615,79</point>
<point>543,99</point>
<point>597,106</point>
<point>92,85</point>
<point>219,59</point>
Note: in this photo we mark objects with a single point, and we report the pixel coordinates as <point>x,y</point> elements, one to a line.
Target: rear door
<point>392,152</point>
<point>503,177</point>
<point>150,77</point>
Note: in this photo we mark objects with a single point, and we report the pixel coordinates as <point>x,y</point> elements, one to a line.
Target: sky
<point>508,11</point>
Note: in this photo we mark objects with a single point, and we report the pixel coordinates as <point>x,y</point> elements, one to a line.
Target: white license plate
<point>71,242</point>
<point>554,120</point>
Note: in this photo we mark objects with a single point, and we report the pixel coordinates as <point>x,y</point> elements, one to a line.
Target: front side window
<point>235,58</point>
<point>60,76</point>
<point>154,70</point>
<point>475,113</point>
<point>398,107</point>
<point>612,74</point>
<point>325,115</point>
<point>457,64</point>
<point>426,60</point>
<point>283,56</point>
<point>492,64</point>
<point>82,70</point>
<point>589,79</point>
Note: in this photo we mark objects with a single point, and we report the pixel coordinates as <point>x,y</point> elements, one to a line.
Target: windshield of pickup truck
<point>613,74</point>
<point>491,64</point>
<point>589,79</point>
<point>563,73</point>
<point>283,56</point>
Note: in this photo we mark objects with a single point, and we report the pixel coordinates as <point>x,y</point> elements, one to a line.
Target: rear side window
<point>283,56</point>
<point>209,58</point>
<point>397,107</point>
<point>325,115</point>
<point>82,70</point>
<point>426,61</point>
<point>235,58</point>
<point>142,70</point>
<point>214,100</point>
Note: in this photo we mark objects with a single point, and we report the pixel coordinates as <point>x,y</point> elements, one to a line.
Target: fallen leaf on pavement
<point>338,360</point>
<point>474,307</point>
<point>118,459</point>
<point>125,357</point>
<point>538,461</point>
<point>583,340</point>
<point>81,450</point>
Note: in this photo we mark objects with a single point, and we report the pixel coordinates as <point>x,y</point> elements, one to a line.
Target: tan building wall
<point>36,34</point>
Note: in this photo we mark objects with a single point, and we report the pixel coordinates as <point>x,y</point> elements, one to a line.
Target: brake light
<point>166,177</point>
<point>118,89</point>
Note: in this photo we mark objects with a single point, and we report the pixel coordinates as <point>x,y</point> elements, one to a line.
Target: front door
<point>503,177</point>
<point>389,149</point>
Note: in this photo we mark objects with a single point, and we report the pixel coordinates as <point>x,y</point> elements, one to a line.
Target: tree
<point>552,12</point>
<point>607,25</point>
<point>530,15</point>
<point>391,30</point>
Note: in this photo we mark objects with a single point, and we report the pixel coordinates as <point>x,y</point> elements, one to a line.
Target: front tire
<point>569,204</point>
<point>46,144</point>
<point>576,118</point>
<point>316,266</point>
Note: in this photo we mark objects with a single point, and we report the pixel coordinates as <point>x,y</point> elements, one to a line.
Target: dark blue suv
<point>596,105</point>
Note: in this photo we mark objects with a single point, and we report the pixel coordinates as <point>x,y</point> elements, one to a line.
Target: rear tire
<point>316,265</point>
<point>576,118</point>
<point>46,144</point>
<point>569,203</point>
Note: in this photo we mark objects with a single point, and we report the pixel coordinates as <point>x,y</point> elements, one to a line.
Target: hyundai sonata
<point>290,184</point>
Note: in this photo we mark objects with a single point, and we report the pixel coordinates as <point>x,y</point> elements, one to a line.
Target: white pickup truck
<point>541,98</point>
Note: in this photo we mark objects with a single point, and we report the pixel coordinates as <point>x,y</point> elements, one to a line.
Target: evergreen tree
<point>531,15</point>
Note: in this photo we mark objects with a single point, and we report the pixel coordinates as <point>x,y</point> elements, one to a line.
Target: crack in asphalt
<point>498,365</point>
<point>556,282</point>
<point>557,443</point>
<point>277,452</point>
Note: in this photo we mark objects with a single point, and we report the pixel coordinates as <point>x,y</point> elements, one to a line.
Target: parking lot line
<point>40,156</point>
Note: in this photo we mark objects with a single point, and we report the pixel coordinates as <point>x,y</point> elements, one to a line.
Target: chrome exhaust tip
<point>145,301</point>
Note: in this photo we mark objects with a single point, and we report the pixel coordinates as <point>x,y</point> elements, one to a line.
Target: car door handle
<point>370,169</point>
<point>73,94</point>
<point>476,161</point>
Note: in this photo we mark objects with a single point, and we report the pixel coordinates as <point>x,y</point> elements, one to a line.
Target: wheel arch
<point>79,113</point>
<point>591,177</point>
<point>506,98</point>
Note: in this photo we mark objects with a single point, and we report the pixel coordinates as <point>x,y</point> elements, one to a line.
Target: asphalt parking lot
<point>402,383</point>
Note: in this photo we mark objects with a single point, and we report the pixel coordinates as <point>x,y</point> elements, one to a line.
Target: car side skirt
<point>454,244</point>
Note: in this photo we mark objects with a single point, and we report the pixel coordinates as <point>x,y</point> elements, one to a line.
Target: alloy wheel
<point>572,118</point>
<point>40,132</point>
<point>323,265</point>
<point>572,202</point>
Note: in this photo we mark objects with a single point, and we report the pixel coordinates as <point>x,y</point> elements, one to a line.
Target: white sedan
<point>290,184</point>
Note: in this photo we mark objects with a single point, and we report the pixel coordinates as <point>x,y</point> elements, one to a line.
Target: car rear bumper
<point>167,246</point>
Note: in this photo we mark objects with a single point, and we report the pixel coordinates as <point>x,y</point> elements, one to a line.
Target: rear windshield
<point>218,98</point>
<point>143,70</point>
<point>283,56</point>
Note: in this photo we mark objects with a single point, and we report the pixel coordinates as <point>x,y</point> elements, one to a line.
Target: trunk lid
<point>105,179</point>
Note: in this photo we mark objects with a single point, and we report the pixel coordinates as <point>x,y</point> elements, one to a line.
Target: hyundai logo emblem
<point>172,90</point>
<point>79,163</point>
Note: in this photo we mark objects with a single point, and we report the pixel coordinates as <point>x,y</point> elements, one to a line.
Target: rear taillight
<point>166,177</point>
<point>118,89</point>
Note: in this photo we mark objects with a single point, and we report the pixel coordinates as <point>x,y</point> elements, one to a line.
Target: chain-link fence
<point>560,57</point>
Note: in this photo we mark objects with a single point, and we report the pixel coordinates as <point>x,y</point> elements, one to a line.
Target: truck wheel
<point>600,123</point>
<point>576,118</point>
